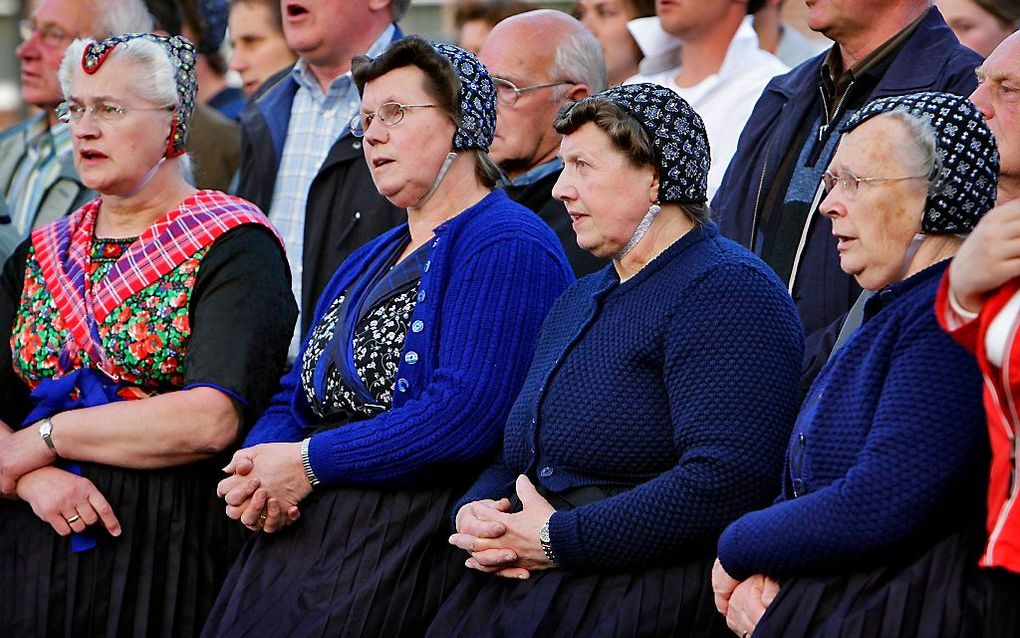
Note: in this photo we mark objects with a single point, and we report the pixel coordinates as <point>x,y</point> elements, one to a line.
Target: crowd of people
<point>658,319</point>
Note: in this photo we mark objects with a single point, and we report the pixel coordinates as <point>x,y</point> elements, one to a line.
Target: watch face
<point>543,534</point>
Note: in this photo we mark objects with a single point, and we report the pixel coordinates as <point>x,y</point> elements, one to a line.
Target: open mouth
<point>295,10</point>
<point>381,161</point>
<point>842,241</point>
<point>89,154</point>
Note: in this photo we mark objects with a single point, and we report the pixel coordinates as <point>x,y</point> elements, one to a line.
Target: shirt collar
<point>539,172</point>
<point>835,79</point>
<point>306,79</point>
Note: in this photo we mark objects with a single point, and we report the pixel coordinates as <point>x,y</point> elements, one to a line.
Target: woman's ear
<point>653,187</point>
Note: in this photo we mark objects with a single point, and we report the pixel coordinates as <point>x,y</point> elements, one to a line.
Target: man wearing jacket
<point>772,188</point>
<point>299,162</point>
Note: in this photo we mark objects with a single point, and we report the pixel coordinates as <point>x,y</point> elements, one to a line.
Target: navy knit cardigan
<point>678,385</point>
<point>888,453</point>
<point>491,275</point>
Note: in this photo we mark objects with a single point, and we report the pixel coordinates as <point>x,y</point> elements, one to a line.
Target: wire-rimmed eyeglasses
<point>507,92</point>
<point>388,114</point>
<point>851,183</point>
<point>48,35</point>
<point>103,112</point>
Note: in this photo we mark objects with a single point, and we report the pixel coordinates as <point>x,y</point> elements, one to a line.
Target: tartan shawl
<point>63,251</point>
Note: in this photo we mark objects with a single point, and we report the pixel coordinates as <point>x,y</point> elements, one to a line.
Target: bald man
<point>540,61</point>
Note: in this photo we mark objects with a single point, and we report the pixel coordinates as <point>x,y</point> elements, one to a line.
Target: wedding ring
<point>74,519</point>
<point>262,519</point>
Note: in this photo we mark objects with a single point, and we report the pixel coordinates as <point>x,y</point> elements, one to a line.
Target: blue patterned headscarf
<point>677,133</point>
<point>182,55</point>
<point>477,98</point>
<point>967,158</point>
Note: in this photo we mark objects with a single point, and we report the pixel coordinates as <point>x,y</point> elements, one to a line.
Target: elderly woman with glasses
<point>136,347</point>
<point>656,407</point>
<point>419,345</point>
<point>877,529</point>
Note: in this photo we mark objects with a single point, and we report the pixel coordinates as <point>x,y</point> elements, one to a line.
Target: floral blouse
<point>147,337</point>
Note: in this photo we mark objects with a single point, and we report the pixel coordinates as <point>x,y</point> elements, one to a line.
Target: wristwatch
<point>543,538</point>
<point>46,434</point>
<point>313,480</point>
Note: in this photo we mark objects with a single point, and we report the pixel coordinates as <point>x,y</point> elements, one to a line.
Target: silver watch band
<point>312,479</point>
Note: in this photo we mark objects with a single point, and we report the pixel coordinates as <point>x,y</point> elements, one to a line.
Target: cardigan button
<point>546,472</point>
<point>402,385</point>
<point>421,296</point>
<point>418,326</point>
<point>428,264</point>
<point>411,357</point>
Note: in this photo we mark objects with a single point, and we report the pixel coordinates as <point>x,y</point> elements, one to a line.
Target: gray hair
<point>924,146</point>
<point>579,58</point>
<point>155,82</point>
<point>400,8</point>
<point>121,16</point>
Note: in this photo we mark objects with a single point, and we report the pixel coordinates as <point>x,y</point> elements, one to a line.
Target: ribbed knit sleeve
<point>731,365</point>
<point>922,448</point>
<point>493,306</point>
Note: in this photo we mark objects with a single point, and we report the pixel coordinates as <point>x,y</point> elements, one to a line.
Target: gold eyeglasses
<point>388,114</point>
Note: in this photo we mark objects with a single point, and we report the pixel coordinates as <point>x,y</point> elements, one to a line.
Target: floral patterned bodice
<point>146,337</point>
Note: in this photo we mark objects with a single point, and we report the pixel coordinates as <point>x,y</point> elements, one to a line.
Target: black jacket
<point>538,197</point>
<point>344,209</point>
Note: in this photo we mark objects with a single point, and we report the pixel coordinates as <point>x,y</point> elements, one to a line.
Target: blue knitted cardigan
<point>491,275</point>
<point>888,453</point>
<point>676,388</point>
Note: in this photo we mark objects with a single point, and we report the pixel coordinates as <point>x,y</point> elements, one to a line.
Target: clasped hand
<point>502,543</point>
<point>20,453</point>
<point>742,602</point>
<point>265,486</point>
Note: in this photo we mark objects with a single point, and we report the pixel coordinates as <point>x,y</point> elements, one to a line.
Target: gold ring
<point>262,519</point>
<point>74,519</point>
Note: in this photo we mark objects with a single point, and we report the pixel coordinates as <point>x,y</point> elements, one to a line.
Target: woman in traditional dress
<point>878,528</point>
<point>656,408</point>
<point>418,347</point>
<point>141,335</point>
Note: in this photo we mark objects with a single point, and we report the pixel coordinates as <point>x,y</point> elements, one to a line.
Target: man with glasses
<point>37,174</point>
<point>540,60</point>
<point>299,161</point>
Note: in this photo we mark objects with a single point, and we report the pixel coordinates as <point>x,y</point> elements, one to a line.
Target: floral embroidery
<point>378,341</point>
<point>147,337</point>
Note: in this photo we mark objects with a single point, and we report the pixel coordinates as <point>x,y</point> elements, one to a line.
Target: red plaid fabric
<point>63,248</point>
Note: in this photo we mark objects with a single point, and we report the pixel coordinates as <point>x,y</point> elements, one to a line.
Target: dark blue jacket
<point>931,60</point>
<point>491,275</point>
<point>889,451</point>
<point>344,209</point>
<point>674,390</point>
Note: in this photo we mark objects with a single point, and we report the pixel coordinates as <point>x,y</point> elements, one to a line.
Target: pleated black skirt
<point>661,601</point>
<point>159,578</point>
<point>934,593</point>
<point>359,562</point>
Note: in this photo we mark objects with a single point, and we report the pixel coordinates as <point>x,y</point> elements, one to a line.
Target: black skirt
<point>359,562</point>
<point>934,593</point>
<point>159,578</point>
<point>660,601</point>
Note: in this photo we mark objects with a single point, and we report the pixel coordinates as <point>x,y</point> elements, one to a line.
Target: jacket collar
<point>904,75</point>
<point>273,103</point>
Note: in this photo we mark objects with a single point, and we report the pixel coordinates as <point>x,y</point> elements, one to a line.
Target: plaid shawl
<point>63,250</point>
